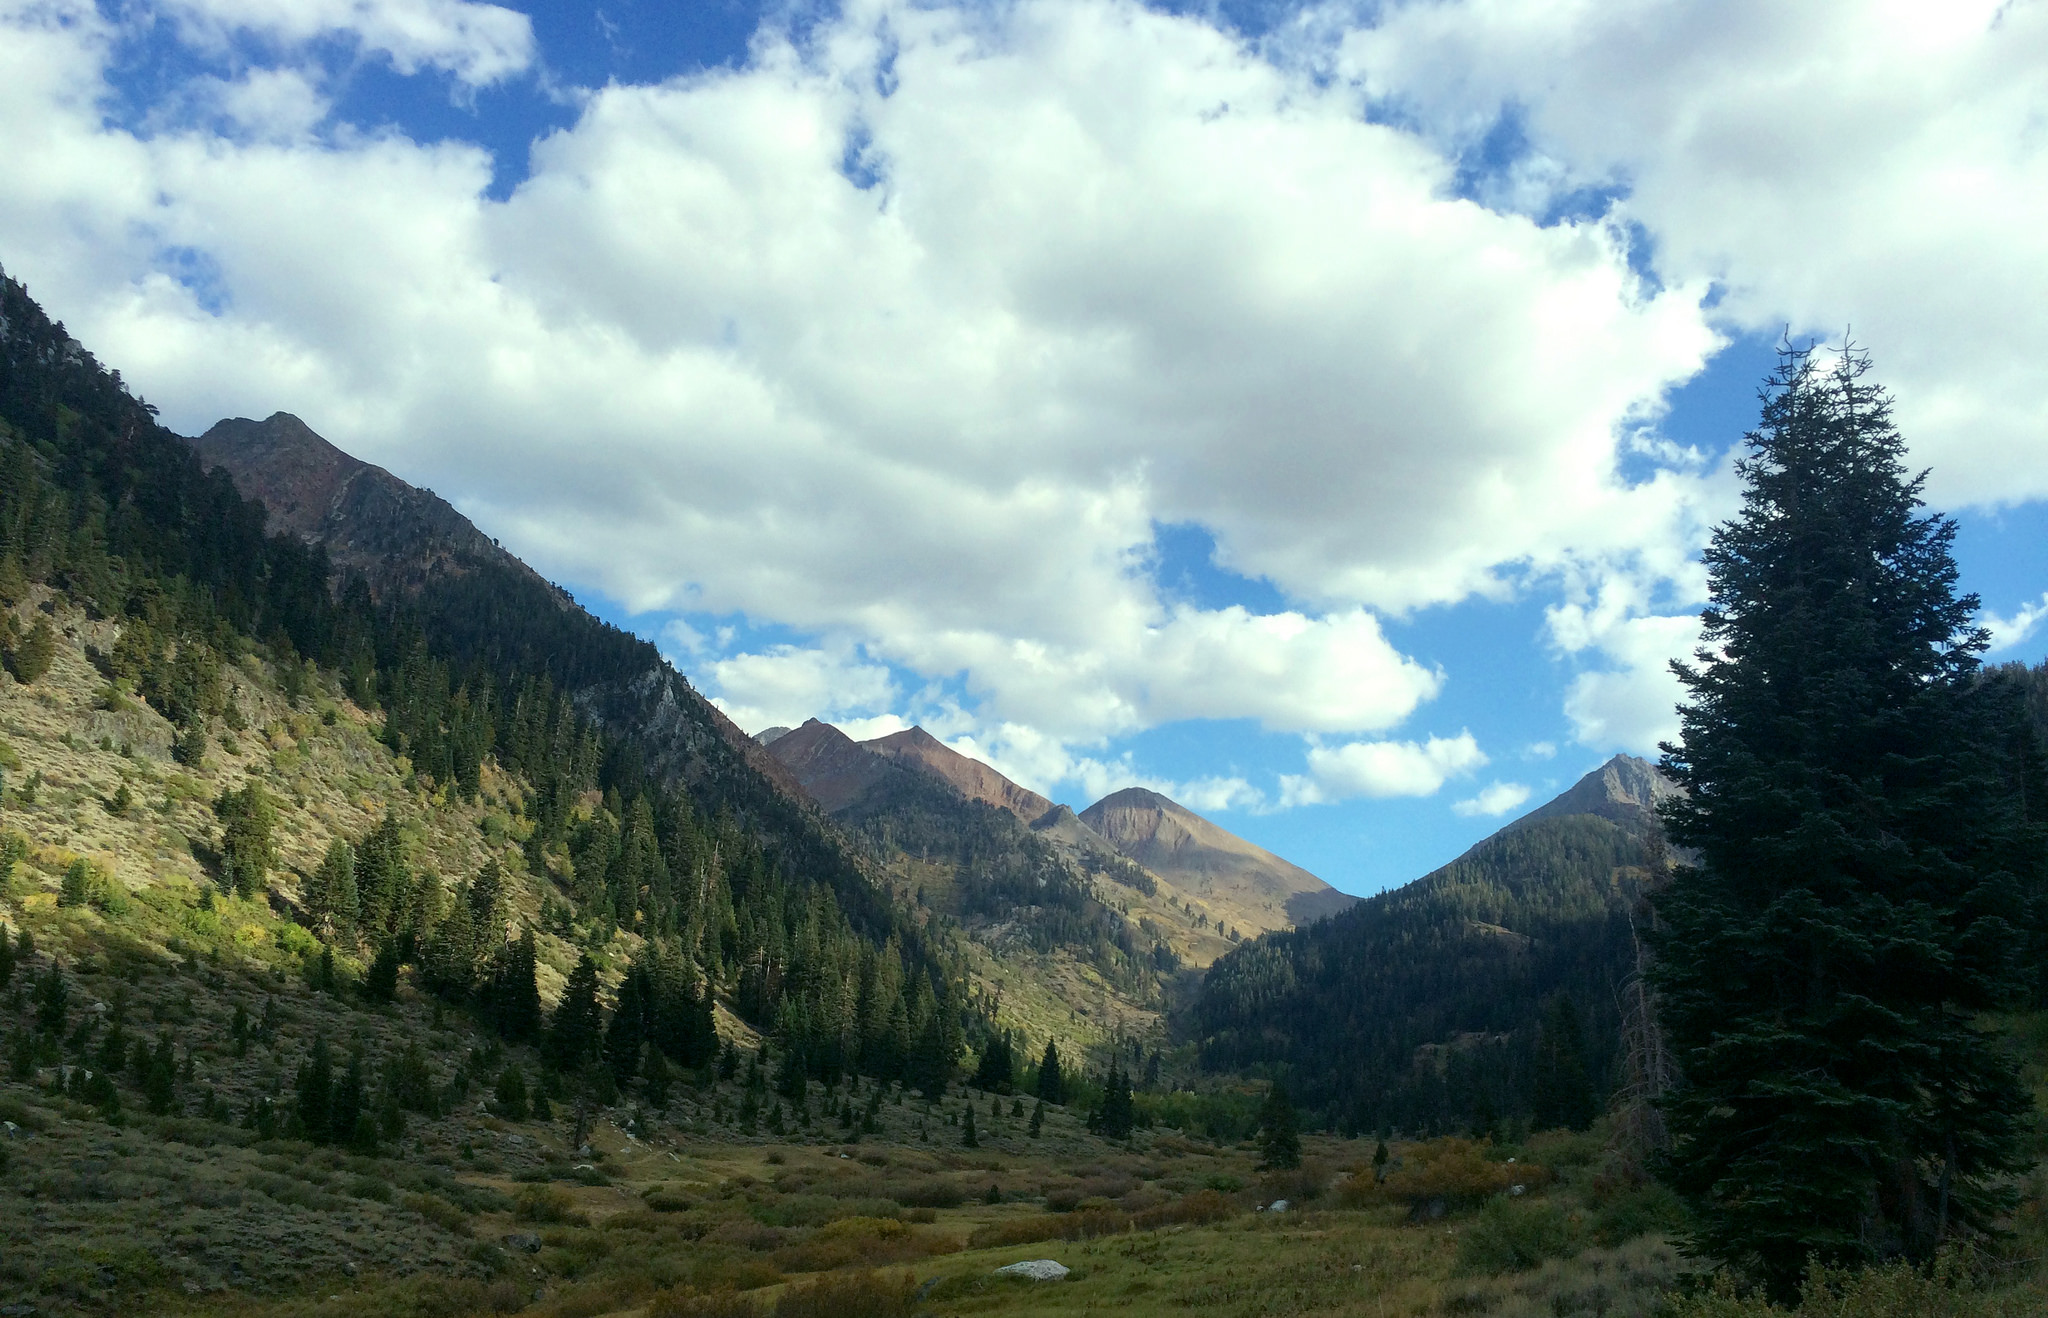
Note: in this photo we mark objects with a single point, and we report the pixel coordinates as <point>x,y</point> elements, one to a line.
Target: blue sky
<point>1310,410</point>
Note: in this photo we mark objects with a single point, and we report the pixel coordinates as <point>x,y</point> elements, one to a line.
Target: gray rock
<point>1035,1270</point>
<point>523,1241</point>
<point>1280,1206</point>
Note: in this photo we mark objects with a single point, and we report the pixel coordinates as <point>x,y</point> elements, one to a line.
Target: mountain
<point>1250,887</point>
<point>371,523</point>
<point>1071,938</point>
<point>1446,1003</point>
<point>477,603</point>
<point>970,777</point>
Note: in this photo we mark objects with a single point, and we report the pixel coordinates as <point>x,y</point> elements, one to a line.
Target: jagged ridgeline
<point>642,810</point>
<point>1487,991</point>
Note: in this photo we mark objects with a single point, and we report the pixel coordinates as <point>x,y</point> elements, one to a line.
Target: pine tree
<point>1052,1086</point>
<point>1117,1116</point>
<point>1561,1089</point>
<point>573,1035</point>
<point>1279,1140</point>
<point>967,1136</point>
<point>380,984</point>
<point>314,1093</point>
<point>31,657</point>
<point>1819,966</point>
<point>510,1098</point>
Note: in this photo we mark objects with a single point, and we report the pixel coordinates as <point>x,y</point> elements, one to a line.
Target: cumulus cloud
<point>1494,799</point>
<point>2007,632</point>
<point>1838,164</point>
<point>783,686</point>
<point>1381,768</point>
<point>909,332</point>
<point>479,44</point>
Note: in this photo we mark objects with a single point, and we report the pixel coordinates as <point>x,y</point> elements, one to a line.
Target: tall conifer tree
<point>1820,964</point>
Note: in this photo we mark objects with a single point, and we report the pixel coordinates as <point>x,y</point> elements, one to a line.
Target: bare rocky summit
<point>1261,890</point>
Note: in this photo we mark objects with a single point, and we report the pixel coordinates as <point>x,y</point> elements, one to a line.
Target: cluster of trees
<point>1484,993</point>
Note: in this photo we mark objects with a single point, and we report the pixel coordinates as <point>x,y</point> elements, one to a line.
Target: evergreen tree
<point>380,984</point>
<point>1117,1116</point>
<point>1279,1140</point>
<point>995,1071</point>
<point>330,894</point>
<point>573,1035</point>
<point>1052,1086</point>
<point>1037,1118</point>
<point>515,990</point>
<point>510,1099</point>
<point>314,1093</point>
<point>967,1135</point>
<point>31,656</point>
<point>248,846</point>
<point>1819,966</point>
<point>627,1033</point>
<point>1562,1089</point>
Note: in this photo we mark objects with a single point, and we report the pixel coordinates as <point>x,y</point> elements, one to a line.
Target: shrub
<point>544,1203</point>
<point>1450,1173</point>
<point>1084,1225</point>
<point>1638,1212</point>
<point>1897,1290</point>
<point>851,1295</point>
<point>1197,1209</point>
<point>1514,1236</point>
<point>440,1212</point>
<point>718,1304</point>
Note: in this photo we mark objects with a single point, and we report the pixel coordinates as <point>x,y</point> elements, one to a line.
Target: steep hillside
<point>641,829</point>
<point>1487,990</point>
<point>1250,887</point>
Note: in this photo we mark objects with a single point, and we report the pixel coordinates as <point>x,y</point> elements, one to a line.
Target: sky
<point>1311,411</point>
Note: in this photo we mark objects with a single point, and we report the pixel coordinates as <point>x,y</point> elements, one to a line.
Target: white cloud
<point>2008,632</point>
<point>1633,705</point>
<point>1832,164</point>
<point>1115,268</point>
<point>786,684</point>
<point>479,44</point>
<point>691,363</point>
<point>1381,769</point>
<point>1494,799</point>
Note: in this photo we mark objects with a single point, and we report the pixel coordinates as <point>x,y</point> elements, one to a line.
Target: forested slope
<point>1487,990</point>
<point>646,832</point>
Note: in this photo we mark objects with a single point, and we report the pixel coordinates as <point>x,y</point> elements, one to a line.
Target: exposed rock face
<point>396,536</point>
<point>1625,789</point>
<point>970,777</point>
<point>1260,890</point>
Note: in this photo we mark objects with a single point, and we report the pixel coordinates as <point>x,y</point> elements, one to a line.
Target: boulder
<point>1035,1270</point>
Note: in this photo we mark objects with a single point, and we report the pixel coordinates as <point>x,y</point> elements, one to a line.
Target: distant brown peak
<point>965,774</point>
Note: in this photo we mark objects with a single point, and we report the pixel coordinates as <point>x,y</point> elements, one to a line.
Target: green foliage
<point>1116,1117</point>
<point>30,657</point>
<point>1423,1008</point>
<point>510,1097</point>
<point>1052,1085</point>
<point>1861,864</point>
<point>1561,1091</point>
<point>1279,1139</point>
<point>573,1034</point>
<point>1515,1235</point>
<point>1946,1289</point>
<point>248,844</point>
